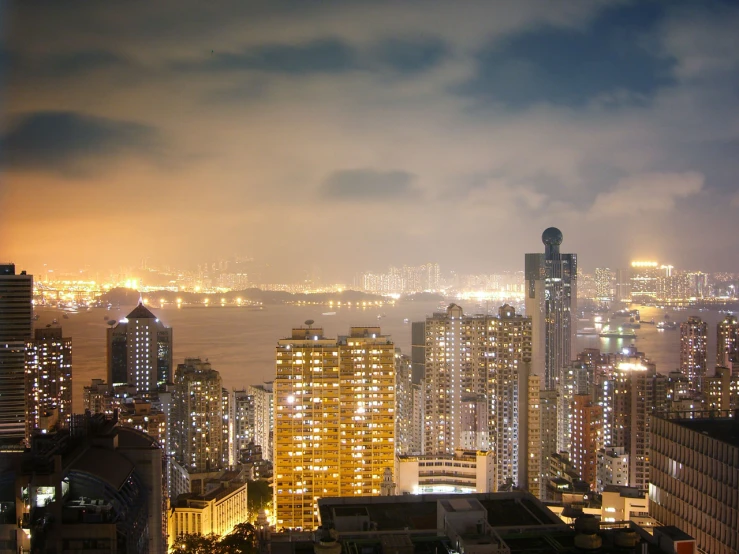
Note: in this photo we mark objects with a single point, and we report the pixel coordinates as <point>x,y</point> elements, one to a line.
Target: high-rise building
<point>613,468</point>
<point>242,421</point>
<point>551,302</point>
<point>604,278</point>
<point>695,482</point>
<point>408,408</point>
<point>694,350</point>
<point>16,324</point>
<point>586,437</point>
<point>140,351</point>
<point>532,429</point>
<point>48,380</point>
<point>334,419</point>
<point>727,341</point>
<point>263,400</point>
<point>197,416</point>
<point>644,281</point>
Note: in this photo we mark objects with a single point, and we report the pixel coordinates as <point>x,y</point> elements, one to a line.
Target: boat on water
<point>328,313</point>
<point>617,333</point>
<point>667,325</point>
<point>587,332</point>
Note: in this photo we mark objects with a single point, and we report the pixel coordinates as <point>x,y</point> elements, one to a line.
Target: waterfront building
<point>586,437</point>
<point>16,324</point>
<point>48,380</point>
<point>604,279</point>
<point>463,472</point>
<point>551,301</point>
<point>727,341</point>
<point>197,409</point>
<point>140,351</point>
<point>644,281</point>
<point>334,425</point>
<point>694,351</point>
<point>695,482</point>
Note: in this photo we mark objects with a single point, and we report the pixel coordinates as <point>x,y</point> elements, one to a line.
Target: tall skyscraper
<point>604,278</point>
<point>140,351</point>
<point>334,419</point>
<point>727,341</point>
<point>551,302</point>
<point>408,408</point>
<point>48,380</point>
<point>16,324</point>
<point>242,421</point>
<point>263,399</point>
<point>694,350</point>
<point>644,280</point>
<point>197,416</point>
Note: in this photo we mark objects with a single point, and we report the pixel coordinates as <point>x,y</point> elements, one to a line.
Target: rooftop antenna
<point>309,322</point>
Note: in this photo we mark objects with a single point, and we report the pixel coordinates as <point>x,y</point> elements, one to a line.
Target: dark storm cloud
<point>571,67</point>
<point>410,55</point>
<point>319,56</point>
<point>60,141</point>
<point>369,184</point>
<point>74,64</point>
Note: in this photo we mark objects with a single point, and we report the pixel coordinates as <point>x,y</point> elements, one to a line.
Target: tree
<point>242,540</point>
<point>195,544</point>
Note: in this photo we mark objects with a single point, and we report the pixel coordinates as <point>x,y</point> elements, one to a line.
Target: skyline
<point>291,132</point>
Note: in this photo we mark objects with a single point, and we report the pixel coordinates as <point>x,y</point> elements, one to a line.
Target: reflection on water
<point>240,342</point>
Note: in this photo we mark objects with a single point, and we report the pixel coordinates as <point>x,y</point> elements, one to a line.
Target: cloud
<point>69,141</point>
<point>369,184</point>
<point>647,193</point>
<point>410,55</point>
<point>318,56</point>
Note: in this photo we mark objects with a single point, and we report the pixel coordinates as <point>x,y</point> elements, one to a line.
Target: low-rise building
<point>625,504</point>
<point>464,472</point>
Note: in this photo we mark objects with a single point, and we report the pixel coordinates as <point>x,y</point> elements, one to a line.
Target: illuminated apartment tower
<point>16,310</point>
<point>510,353</point>
<point>140,351</point>
<point>48,380</point>
<point>456,381</point>
<point>533,437</point>
<point>409,408</point>
<point>551,301</point>
<point>334,422</point>
<point>586,437</point>
<point>242,421</point>
<point>197,416</point>
<point>727,341</point>
<point>693,350</point>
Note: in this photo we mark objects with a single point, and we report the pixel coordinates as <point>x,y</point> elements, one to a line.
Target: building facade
<point>464,472</point>
<point>334,425</point>
<point>586,437</point>
<point>48,380</point>
<point>140,351</point>
<point>16,324</point>
<point>727,341</point>
<point>695,477</point>
<point>694,351</point>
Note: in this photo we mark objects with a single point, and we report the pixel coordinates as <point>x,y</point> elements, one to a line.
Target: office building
<point>727,341</point>
<point>48,380</point>
<point>263,400</point>
<point>551,302</point>
<point>16,313</point>
<point>215,511</point>
<point>644,281</point>
<point>334,424</point>
<point>463,472</point>
<point>586,437</point>
<point>695,480</point>
<point>694,351</point>
<point>140,351</point>
<point>197,417</point>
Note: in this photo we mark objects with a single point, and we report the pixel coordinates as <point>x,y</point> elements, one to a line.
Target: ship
<point>617,333</point>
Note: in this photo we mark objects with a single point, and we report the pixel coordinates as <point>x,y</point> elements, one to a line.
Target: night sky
<point>354,135</point>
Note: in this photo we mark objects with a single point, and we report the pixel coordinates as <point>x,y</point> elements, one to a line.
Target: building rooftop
<point>141,312</point>
<point>725,429</point>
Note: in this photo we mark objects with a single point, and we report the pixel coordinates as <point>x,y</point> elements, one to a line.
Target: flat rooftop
<point>722,429</point>
<point>418,512</point>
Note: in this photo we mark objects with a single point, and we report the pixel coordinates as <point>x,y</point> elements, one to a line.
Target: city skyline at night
<point>259,130</point>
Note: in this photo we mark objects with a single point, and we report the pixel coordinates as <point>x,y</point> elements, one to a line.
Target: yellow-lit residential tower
<point>334,422</point>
